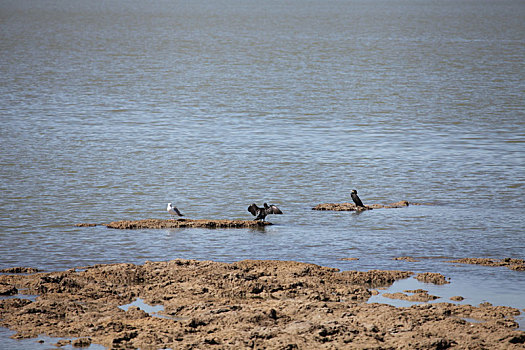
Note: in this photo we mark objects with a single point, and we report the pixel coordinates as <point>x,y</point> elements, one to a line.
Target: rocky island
<point>180,223</point>
<point>353,207</point>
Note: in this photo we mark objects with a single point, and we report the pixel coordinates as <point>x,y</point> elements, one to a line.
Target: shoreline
<point>250,303</point>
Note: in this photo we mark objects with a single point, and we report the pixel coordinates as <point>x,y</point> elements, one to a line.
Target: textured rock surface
<point>513,264</point>
<point>248,304</point>
<point>180,223</point>
<point>353,207</point>
<point>431,277</point>
<point>406,258</point>
<point>414,295</point>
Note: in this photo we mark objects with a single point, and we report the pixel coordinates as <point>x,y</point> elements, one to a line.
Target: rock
<point>62,342</point>
<point>19,270</point>
<point>376,278</point>
<point>179,223</point>
<point>406,258</point>
<point>338,207</point>
<point>6,289</point>
<point>416,295</point>
<point>81,342</point>
<point>211,304</point>
<point>353,207</point>
<point>513,264</point>
<point>136,313</point>
<point>15,303</point>
<point>430,277</point>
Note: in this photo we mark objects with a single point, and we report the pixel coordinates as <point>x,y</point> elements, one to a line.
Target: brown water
<point>111,109</point>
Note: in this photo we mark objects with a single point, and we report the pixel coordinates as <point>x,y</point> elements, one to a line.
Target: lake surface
<point>111,109</point>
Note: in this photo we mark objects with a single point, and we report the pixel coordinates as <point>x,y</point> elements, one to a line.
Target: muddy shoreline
<point>247,304</point>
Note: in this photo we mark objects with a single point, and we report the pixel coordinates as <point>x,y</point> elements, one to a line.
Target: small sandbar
<point>181,223</point>
<point>353,207</point>
<point>513,264</point>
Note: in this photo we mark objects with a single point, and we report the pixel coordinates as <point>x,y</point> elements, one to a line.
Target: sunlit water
<point>110,110</point>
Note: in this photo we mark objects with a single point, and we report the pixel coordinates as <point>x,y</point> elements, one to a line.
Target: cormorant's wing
<point>253,209</point>
<point>275,210</point>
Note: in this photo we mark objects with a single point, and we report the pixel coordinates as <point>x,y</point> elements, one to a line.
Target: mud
<point>247,304</point>
<point>513,264</point>
<point>353,207</point>
<point>180,223</point>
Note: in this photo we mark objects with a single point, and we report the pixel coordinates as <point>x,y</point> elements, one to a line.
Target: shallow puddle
<point>405,285</point>
<point>444,292</point>
<point>41,342</point>
<point>151,310</point>
<point>472,320</point>
<point>20,296</point>
<point>521,320</point>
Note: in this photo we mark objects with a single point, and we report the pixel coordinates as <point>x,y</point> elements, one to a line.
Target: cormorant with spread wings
<point>260,213</point>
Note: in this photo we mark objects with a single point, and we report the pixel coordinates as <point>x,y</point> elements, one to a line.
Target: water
<point>42,342</point>
<point>152,310</point>
<point>111,109</point>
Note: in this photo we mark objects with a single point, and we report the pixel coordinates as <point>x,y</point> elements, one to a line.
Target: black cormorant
<point>260,213</point>
<point>356,199</point>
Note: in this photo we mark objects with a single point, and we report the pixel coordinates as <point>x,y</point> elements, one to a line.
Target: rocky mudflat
<point>406,258</point>
<point>431,277</point>
<point>180,223</point>
<point>412,295</point>
<point>244,305</point>
<point>513,264</point>
<point>353,207</point>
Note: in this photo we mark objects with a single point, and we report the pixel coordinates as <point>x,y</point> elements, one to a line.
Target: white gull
<point>173,210</point>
